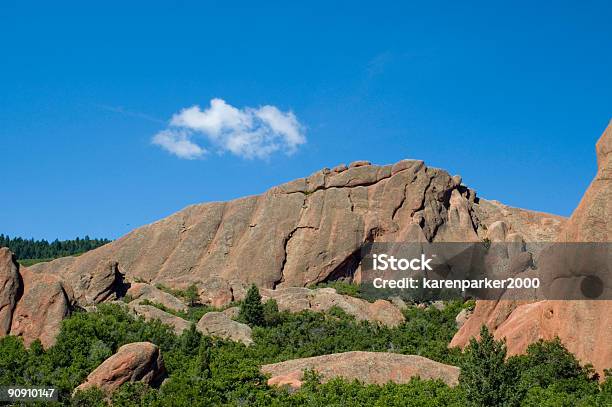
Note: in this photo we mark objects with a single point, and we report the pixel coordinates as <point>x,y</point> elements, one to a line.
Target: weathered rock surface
<point>32,305</point>
<point>142,291</point>
<point>150,313</point>
<point>367,367</point>
<point>296,299</point>
<point>311,229</point>
<point>140,361</point>
<point>220,325</point>
<point>462,317</point>
<point>584,327</point>
<point>45,302</point>
<point>10,285</point>
<point>232,312</point>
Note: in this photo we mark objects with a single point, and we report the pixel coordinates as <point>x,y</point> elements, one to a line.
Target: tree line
<point>42,249</point>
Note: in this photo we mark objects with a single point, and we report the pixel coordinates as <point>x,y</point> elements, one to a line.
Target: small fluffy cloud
<point>246,132</point>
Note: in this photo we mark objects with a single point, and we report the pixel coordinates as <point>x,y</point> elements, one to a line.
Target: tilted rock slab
<point>41,309</point>
<point>141,291</point>
<point>584,327</point>
<point>296,299</point>
<point>10,285</point>
<point>300,233</point>
<point>139,361</point>
<point>220,325</point>
<point>366,367</point>
<point>150,313</point>
<point>32,305</point>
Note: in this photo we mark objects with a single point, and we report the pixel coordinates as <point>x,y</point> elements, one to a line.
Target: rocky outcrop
<point>220,325</point>
<point>311,228</point>
<point>32,305</point>
<point>462,317</point>
<point>10,286</point>
<point>139,292</point>
<point>366,367</point>
<point>296,299</point>
<point>150,313</point>
<point>584,327</point>
<point>140,361</point>
<point>45,302</point>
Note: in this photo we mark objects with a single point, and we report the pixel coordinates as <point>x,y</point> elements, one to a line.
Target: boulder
<point>366,367</point>
<point>232,312</point>
<point>150,313</point>
<point>140,361</point>
<point>45,302</point>
<point>10,286</point>
<point>359,163</point>
<point>462,317</point>
<point>220,325</point>
<point>142,291</point>
<point>295,299</point>
<point>398,302</point>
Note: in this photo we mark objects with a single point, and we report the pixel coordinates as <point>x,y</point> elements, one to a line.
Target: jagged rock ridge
<point>299,233</point>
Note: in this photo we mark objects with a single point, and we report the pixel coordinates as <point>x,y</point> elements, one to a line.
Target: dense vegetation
<point>42,249</point>
<point>203,371</point>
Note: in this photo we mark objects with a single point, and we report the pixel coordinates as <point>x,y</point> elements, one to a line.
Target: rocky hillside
<point>299,233</point>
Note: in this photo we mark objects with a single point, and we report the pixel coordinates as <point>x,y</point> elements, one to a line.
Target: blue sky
<point>510,95</point>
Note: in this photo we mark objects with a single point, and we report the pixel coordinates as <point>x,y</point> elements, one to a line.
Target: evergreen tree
<point>42,249</point>
<point>252,310</point>
<point>191,295</point>
<point>485,376</point>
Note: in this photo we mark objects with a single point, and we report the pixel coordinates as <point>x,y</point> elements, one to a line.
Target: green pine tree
<point>485,377</point>
<point>252,310</point>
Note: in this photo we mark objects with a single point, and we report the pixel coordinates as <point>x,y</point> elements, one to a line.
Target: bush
<point>205,371</point>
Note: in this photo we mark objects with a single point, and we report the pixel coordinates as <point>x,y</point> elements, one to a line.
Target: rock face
<point>32,305</point>
<point>220,325</point>
<point>142,291</point>
<point>10,285</point>
<point>140,361</point>
<point>39,312</point>
<point>584,327</point>
<point>311,228</point>
<point>295,299</point>
<point>367,367</point>
<point>149,313</point>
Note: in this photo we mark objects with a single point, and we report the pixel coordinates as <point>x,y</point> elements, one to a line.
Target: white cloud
<point>246,132</point>
<point>178,143</point>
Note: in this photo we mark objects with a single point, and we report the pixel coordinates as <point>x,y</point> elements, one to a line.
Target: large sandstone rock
<point>367,367</point>
<point>584,327</point>
<point>141,291</point>
<point>45,302</point>
<point>295,299</point>
<point>297,234</point>
<point>140,361</point>
<point>10,285</point>
<point>220,325</point>
<point>150,313</point>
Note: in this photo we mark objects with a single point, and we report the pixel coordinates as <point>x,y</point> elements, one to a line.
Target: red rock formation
<point>42,307</point>
<point>10,284</point>
<point>32,305</point>
<point>299,233</point>
<point>140,361</point>
<point>367,367</point>
<point>584,327</point>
